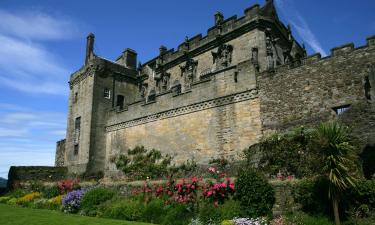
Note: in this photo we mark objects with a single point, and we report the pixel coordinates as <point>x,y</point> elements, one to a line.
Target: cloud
<point>37,25</point>
<point>26,64</point>
<point>298,22</point>
<point>28,137</point>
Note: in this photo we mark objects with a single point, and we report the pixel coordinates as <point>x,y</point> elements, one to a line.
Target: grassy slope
<point>14,215</point>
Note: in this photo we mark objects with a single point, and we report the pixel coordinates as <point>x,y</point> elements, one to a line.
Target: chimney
<point>89,47</point>
<point>130,58</point>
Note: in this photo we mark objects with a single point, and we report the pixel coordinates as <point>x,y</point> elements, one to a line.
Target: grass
<point>15,215</point>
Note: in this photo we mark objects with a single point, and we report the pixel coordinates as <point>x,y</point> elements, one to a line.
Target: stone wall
<point>60,153</point>
<point>310,93</point>
<point>21,174</point>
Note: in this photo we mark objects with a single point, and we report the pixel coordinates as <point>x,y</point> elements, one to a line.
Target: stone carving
<point>222,58</point>
<point>143,90</point>
<point>176,88</point>
<point>165,81</point>
<point>188,71</point>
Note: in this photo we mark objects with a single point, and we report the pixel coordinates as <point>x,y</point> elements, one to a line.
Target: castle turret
<point>89,47</point>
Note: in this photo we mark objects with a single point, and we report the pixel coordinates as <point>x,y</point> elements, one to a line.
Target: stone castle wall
<point>308,94</point>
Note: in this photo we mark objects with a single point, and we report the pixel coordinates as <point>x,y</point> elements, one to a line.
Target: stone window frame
<point>107,93</point>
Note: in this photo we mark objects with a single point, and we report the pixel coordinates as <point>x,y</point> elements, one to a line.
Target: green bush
<point>289,153</point>
<point>17,193</point>
<point>93,198</point>
<point>230,209</point>
<point>155,211</point>
<point>305,219</point>
<point>178,214</point>
<point>312,194</point>
<point>4,199</point>
<point>50,192</point>
<point>125,209</point>
<point>254,193</point>
<point>210,214</point>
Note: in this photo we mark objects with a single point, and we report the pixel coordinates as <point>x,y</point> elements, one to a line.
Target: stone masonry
<point>213,96</point>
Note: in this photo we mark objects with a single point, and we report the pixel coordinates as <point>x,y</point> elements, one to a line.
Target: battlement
<point>224,30</point>
<point>339,51</point>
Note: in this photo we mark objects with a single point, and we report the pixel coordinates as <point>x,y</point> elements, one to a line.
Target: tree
<point>333,142</point>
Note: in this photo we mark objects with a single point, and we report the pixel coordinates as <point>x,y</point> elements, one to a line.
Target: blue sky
<point>43,42</point>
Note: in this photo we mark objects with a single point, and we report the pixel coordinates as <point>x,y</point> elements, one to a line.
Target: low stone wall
<point>22,174</point>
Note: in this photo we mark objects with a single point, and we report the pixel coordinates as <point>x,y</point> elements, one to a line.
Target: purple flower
<point>72,201</point>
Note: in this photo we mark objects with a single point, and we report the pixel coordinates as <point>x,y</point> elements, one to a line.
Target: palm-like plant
<point>338,158</point>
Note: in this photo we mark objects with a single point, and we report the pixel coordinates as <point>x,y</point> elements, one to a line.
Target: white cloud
<point>28,137</point>
<point>37,25</point>
<point>26,64</point>
<point>299,23</point>
<point>8,132</point>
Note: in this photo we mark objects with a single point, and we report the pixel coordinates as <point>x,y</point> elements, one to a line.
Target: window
<point>120,102</point>
<point>76,148</point>
<point>107,93</point>
<point>75,98</point>
<point>77,129</point>
<point>340,109</point>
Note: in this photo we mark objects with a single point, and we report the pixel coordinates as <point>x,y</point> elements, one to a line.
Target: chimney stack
<point>89,47</point>
<point>130,58</point>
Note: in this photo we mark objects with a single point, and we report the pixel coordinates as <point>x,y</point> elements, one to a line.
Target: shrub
<point>50,192</point>
<point>66,186</point>
<point>219,192</point>
<point>72,201</point>
<point>230,209</point>
<point>288,153</point>
<point>123,209</point>
<point>178,214</point>
<point>155,211</point>
<point>44,204</point>
<point>255,194</point>
<point>12,201</point>
<point>16,193</point>
<point>312,194</point>
<point>28,198</point>
<point>93,198</point>
<point>210,214</point>
<point>4,199</point>
<point>302,218</point>
<point>140,163</point>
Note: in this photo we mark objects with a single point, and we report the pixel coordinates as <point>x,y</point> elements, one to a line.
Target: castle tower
<point>99,86</point>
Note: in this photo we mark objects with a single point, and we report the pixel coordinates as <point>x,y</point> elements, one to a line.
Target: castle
<point>215,95</point>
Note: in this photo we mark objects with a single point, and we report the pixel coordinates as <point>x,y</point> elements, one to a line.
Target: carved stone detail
<point>189,71</point>
<point>222,58</point>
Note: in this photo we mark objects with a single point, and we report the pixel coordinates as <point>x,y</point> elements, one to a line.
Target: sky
<point>43,42</point>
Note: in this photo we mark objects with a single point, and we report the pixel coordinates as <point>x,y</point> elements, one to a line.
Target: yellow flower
<point>56,200</point>
<point>28,198</point>
<point>227,222</point>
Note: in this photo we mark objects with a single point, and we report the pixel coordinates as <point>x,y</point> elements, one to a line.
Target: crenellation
<point>342,50</point>
<point>252,11</point>
<point>371,40</point>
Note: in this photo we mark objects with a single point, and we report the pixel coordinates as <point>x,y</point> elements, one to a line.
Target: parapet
<point>223,30</point>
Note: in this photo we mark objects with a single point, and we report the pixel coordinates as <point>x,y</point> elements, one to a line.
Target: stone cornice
<point>221,101</point>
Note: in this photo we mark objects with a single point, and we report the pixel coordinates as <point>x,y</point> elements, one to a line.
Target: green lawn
<point>15,215</point>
